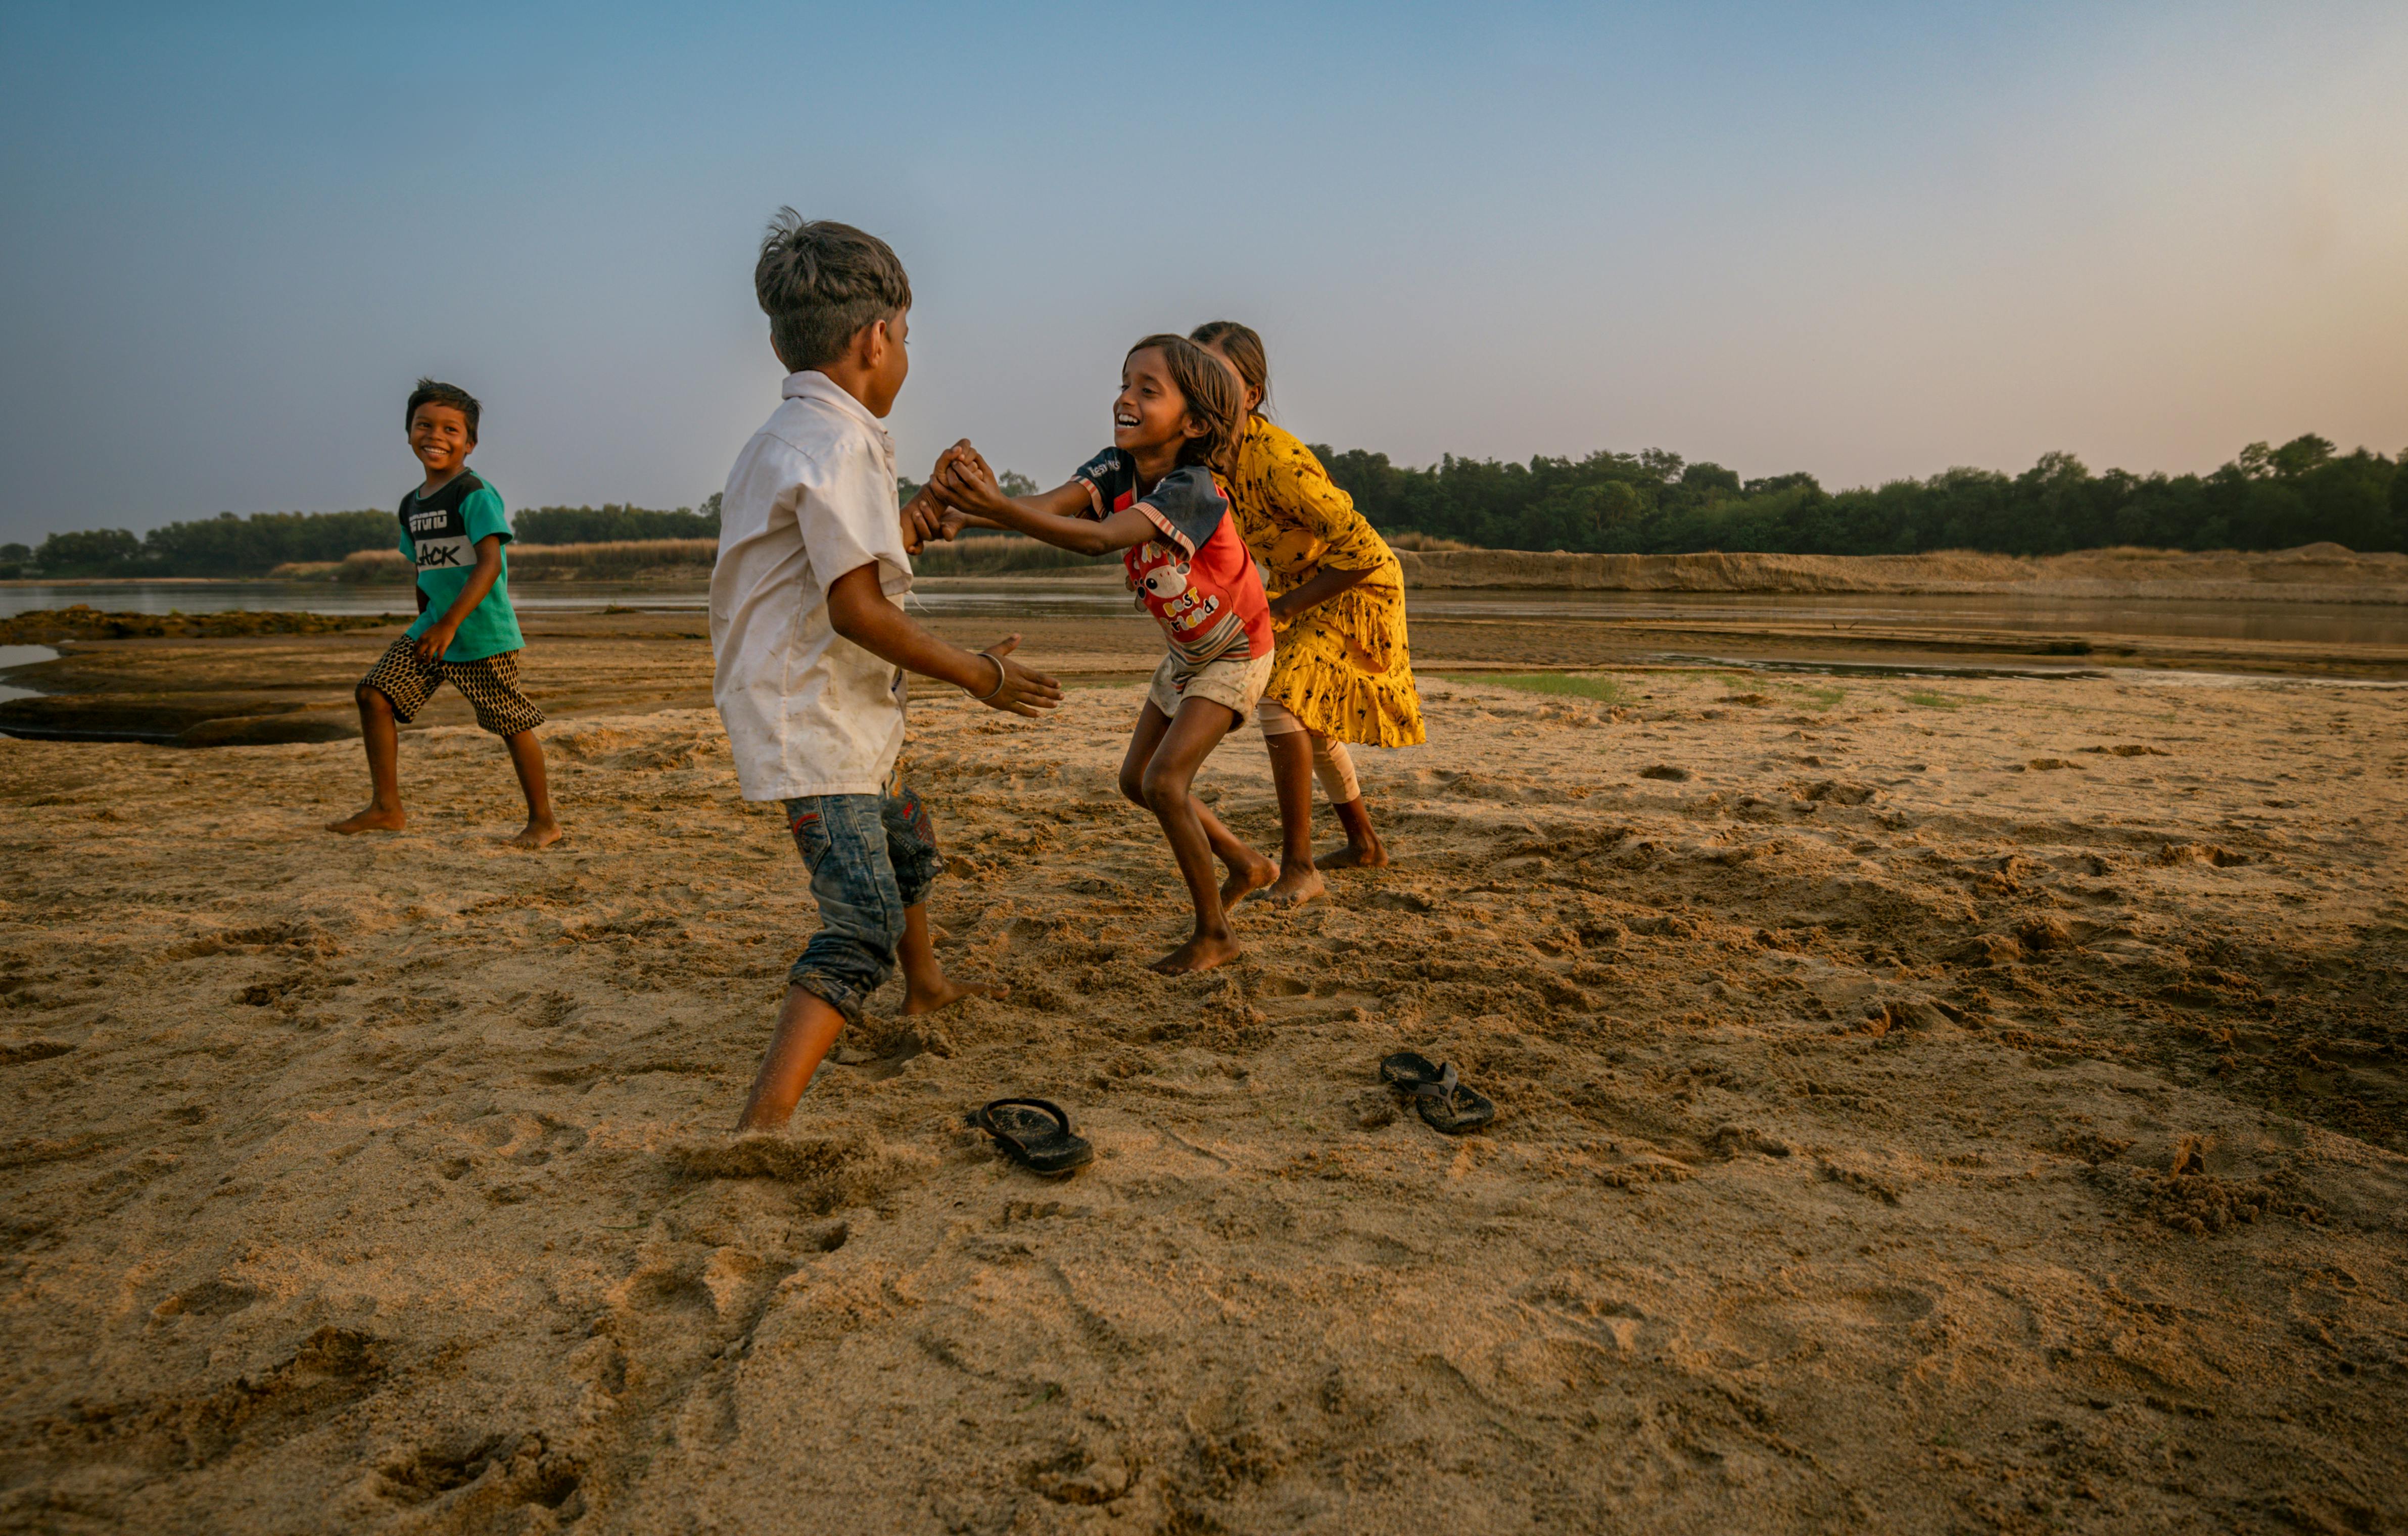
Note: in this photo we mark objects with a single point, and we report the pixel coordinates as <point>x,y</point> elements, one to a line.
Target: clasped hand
<point>960,487</point>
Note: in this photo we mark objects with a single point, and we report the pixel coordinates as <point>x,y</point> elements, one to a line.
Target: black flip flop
<point>1447,1104</point>
<point>1036,1135</point>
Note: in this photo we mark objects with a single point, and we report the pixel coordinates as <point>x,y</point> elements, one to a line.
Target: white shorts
<point>1235,685</point>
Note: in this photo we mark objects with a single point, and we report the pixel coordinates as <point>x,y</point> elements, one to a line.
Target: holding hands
<point>966,483</point>
<point>958,489</point>
<point>924,518</point>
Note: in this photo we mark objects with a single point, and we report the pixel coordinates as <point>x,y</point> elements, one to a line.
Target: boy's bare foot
<point>1198,954</point>
<point>947,993</point>
<point>539,832</point>
<point>1243,878</point>
<point>1295,887</point>
<point>1355,855</point>
<point>374,819</point>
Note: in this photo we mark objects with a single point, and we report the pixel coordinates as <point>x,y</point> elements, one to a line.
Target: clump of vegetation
<point>1566,685</point>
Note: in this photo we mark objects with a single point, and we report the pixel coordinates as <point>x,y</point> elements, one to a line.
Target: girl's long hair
<point>1243,348</point>
<point>1212,396</point>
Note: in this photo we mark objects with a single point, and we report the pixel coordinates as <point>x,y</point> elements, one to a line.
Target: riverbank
<point>2326,573</point>
<point>237,679</point>
<point>2314,573</point>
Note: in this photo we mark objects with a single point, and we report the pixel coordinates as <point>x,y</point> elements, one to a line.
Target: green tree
<point>95,551</point>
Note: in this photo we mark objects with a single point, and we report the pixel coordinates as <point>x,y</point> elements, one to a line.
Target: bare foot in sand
<point>946,993</point>
<point>539,832</point>
<point>1243,878</point>
<point>374,819</point>
<point>1198,954</point>
<point>1355,855</point>
<point>1364,850</point>
<point>1295,887</point>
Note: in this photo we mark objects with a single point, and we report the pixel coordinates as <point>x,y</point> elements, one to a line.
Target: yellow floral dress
<point>1343,668</point>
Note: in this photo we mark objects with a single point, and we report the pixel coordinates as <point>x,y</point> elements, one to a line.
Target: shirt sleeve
<point>1306,497</point>
<point>1107,478</point>
<point>483,514</point>
<point>848,519</point>
<point>1185,507</point>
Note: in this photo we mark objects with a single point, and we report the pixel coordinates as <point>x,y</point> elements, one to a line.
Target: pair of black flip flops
<point>1445,1100</point>
<point>1035,1134</point>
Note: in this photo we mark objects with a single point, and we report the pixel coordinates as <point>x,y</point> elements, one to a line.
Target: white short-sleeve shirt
<point>810,499</point>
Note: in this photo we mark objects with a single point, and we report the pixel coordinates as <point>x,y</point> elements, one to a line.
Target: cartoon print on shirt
<point>1200,629</point>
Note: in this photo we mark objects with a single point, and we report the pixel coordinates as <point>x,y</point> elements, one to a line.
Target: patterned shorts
<point>489,684</point>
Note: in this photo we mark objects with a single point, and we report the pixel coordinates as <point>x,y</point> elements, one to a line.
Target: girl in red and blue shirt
<point>1155,496</point>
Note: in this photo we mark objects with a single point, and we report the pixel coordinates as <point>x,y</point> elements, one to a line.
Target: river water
<point>2316,624</point>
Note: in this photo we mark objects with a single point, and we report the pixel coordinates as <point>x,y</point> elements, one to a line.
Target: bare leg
<point>1167,784</point>
<point>806,1027</point>
<point>925,985</point>
<point>382,738</point>
<point>1248,869</point>
<point>526,757</point>
<point>1292,771</point>
<point>1364,850</point>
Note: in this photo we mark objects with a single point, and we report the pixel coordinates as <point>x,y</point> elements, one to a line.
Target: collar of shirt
<point>811,384</point>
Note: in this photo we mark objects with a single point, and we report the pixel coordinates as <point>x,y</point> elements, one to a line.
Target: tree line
<point>1649,503</point>
<point>228,545</point>
<point>1653,503</point>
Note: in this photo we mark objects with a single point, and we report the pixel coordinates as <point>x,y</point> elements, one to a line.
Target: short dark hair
<point>819,282</point>
<point>431,392</point>
<point>1212,396</point>
<point>1244,350</point>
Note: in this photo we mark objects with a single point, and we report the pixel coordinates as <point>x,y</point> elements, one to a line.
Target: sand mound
<point>2313,573</point>
<point>1894,1136</point>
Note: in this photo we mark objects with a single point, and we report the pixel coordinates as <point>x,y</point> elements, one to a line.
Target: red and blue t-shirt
<point>1195,575</point>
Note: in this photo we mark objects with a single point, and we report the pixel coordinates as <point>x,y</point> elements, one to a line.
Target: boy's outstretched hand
<point>1019,690</point>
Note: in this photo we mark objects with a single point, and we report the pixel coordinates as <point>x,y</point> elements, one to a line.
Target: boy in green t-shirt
<point>452,527</point>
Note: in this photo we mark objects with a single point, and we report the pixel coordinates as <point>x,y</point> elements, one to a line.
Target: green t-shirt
<point>439,533</point>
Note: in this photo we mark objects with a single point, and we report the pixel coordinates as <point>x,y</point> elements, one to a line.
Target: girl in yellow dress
<point>1342,672</point>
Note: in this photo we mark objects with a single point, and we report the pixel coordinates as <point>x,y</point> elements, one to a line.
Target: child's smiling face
<point>441,437</point>
<point>1150,413</point>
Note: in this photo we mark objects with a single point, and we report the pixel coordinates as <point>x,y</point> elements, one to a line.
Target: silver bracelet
<point>1001,677</point>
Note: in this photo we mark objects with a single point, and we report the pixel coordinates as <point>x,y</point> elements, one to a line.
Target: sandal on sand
<point>1445,1101</point>
<point>1036,1135</point>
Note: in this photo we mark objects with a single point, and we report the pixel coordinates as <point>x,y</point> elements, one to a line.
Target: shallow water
<point>20,656</point>
<point>2315,623</point>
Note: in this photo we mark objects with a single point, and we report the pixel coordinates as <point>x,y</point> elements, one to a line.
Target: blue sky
<point>1866,240</point>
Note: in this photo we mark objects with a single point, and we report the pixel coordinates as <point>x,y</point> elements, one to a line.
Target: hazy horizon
<point>1868,243</point>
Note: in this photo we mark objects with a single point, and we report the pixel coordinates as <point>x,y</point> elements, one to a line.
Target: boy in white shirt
<point>811,652</point>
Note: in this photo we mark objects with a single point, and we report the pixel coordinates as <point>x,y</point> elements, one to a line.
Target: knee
<point>1165,788</point>
<point>1133,786</point>
<point>371,701</point>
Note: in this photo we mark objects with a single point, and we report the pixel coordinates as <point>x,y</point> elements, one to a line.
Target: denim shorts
<point>870,856</point>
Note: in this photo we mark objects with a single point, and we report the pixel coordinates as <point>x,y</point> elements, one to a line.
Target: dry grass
<point>1424,543</point>
<point>557,561</point>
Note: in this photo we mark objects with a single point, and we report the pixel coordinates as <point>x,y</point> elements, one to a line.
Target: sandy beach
<point>1961,1105</point>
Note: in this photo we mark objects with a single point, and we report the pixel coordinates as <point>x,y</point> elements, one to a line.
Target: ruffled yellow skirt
<point>1345,669</point>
